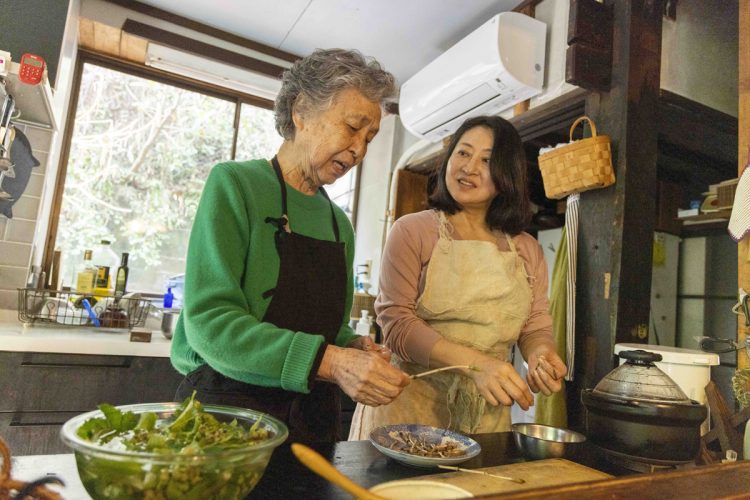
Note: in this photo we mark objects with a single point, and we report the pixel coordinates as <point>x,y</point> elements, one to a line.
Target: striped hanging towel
<point>571,229</point>
<point>739,221</point>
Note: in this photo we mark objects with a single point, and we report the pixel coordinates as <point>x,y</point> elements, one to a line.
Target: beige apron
<point>475,295</point>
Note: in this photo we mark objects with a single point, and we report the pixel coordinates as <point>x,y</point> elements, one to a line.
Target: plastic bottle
<point>86,275</point>
<point>168,297</point>
<point>106,262</point>
<point>364,323</point>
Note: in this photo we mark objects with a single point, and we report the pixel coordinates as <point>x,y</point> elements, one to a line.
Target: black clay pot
<point>637,411</point>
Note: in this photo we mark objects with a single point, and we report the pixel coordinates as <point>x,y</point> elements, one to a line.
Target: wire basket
<point>67,308</point>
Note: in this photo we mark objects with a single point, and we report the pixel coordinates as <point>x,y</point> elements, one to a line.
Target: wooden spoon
<point>322,467</point>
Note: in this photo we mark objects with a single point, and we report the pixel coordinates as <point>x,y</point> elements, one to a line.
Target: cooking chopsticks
<point>437,370</point>
<point>461,469</point>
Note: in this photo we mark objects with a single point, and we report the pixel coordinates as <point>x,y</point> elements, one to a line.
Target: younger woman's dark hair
<point>510,210</point>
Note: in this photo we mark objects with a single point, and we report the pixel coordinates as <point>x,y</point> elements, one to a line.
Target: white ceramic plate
<point>410,489</point>
<point>382,439</point>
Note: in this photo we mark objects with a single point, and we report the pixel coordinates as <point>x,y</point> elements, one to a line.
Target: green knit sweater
<point>231,261</point>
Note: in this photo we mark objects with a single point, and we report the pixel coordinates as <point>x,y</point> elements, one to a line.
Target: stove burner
<point>639,464</point>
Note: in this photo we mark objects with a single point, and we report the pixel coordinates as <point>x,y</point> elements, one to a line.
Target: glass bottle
<point>121,279</point>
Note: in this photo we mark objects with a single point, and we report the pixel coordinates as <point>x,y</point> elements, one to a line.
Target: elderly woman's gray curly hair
<point>320,76</point>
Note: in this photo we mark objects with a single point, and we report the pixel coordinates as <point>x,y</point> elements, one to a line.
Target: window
<point>140,152</point>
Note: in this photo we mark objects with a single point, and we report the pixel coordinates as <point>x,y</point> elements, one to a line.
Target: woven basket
<point>579,166</point>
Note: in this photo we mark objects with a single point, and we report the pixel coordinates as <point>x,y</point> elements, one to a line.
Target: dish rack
<point>66,308</point>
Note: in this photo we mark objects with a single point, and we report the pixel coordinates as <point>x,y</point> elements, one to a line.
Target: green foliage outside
<point>140,154</point>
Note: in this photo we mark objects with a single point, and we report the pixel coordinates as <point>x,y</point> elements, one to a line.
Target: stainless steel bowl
<point>537,441</point>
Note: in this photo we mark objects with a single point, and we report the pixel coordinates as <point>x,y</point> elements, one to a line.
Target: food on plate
<point>405,441</point>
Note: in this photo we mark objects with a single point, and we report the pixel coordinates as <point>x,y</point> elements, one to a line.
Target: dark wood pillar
<point>617,223</point>
<point>743,263</point>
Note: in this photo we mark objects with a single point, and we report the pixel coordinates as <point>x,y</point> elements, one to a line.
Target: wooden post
<point>617,223</point>
<point>743,250</point>
<point>530,10</point>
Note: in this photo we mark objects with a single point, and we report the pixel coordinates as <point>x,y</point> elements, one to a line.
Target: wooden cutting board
<point>538,473</point>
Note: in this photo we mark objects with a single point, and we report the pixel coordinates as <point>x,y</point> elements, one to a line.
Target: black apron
<point>309,297</point>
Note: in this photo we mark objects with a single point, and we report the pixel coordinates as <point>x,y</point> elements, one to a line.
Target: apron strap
<point>281,222</point>
<point>511,245</point>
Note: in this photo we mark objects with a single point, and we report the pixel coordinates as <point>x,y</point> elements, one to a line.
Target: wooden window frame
<point>140,70</point>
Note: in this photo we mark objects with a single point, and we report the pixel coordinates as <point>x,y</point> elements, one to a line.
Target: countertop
<point>286,477</point>
<point>17,337</point>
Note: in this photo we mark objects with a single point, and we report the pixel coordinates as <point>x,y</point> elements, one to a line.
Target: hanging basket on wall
<point>578,166</point>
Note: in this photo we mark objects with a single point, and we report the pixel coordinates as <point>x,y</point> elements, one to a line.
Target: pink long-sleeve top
<point>402,278</point>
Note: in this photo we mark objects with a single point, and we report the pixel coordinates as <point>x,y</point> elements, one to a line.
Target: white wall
<point>373,190</point>
<point>699,53</point>
<point>555,14</point>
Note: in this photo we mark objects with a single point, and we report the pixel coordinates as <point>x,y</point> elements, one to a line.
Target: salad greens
<point>184,443</point>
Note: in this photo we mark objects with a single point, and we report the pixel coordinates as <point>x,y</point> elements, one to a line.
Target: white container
<point>364,324</point>
<point>690,369</point>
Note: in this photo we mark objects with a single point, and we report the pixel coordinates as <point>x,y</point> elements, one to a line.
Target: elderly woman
<point>459,285</point>
<point>268,284</point>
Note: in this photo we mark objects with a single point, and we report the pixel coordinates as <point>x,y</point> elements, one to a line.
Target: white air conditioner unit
<point>211,71</point>
<point>498,65</point>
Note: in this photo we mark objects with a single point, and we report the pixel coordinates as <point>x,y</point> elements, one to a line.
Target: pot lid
<point>639,379</point>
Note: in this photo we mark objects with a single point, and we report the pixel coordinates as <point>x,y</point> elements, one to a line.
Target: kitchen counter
<point>287,478</point>
<point>365,465</point>
<point>17,337</point>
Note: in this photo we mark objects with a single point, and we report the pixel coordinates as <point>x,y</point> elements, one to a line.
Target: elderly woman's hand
<point>546,370</point>
<point>364,343</point>
<point>499,383</point>
<point>363,375</point>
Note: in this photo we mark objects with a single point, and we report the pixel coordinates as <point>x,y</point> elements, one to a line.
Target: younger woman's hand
<point>499,383</point>
<point>546,370</point>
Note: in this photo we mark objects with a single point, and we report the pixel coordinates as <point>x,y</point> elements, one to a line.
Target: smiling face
<point>335,139</point>
<point>468,177</point>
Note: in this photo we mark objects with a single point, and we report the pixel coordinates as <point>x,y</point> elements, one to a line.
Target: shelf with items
<point>705,224</point>
<point>707,217</point>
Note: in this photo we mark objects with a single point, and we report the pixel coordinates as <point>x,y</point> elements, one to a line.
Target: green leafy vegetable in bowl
<point>169,450</point>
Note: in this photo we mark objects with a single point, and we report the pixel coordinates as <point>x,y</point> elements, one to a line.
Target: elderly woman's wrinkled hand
<point>546,371</point>
<point>499,383</point>
<point>367,344</point>
<point>363,375</point>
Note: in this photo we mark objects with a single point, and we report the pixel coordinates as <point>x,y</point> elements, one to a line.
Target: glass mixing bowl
<point>226,474</point>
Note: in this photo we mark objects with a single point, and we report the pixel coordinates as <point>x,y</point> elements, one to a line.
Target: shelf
<point>720,216</point>
<point>33,101</point>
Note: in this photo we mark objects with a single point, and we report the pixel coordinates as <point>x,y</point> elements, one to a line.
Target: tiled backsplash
<point>17,234</point>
